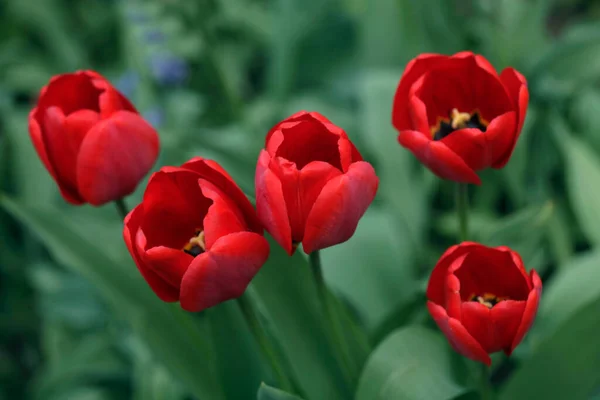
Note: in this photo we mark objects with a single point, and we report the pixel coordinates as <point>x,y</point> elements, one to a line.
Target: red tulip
<point>91,139</point>
<point>482,299</point>
<point>457,115</point>
<point>312,185</point>
<point>195,236</point>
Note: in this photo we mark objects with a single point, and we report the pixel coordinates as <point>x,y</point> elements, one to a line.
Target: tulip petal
<point>60,154</point>
<point>224,272</point>
<point>477,321</point>
<point>487,270</point>
<point>339,207</point>
<point>163,290</point>
<point>270,203</point>
<point>458,337</point>
<point>438,157</point>
<point>77,125</point>
<point>472,146</point>
<point>516,85</point>
<point>212,172</point>
<point>436,288</point>
<point>35,133</point>
<point>533,301</point>
<point>169,264</point>
<point>175,208</point>
<point>506,317</point>
<point>114,156</point>
<point>223,216</point>
<point>70,92</point>
<point>401,118</point>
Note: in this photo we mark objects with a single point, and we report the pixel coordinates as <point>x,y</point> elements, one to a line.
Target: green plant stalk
<point>485,388</point>
<point>337,339</point>
<point>247,308</point>
<point>121,208</point>
<point>462,210</point>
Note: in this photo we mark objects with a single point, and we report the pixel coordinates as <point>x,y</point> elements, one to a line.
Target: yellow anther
<point>459,119</point>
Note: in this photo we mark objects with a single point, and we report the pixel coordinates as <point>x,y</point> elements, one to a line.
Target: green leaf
<point>580,276</point>
<point>266,392</point>
<point>234,341</point>
<point>288,298</point>
<point>176,339</point>
<point>411,363</point>
<point>371,270</point>
<point>583,168</point>
<point>565,365</point>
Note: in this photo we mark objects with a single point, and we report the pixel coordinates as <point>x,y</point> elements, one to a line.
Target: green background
<point>78,322</point>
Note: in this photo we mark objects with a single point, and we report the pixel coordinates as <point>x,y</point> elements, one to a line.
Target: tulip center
<point>458,120</point>
<point>196,245</point>
<point>489,300</point>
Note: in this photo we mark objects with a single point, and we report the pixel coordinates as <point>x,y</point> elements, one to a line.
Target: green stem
<point>462,209</point>
<point>121,208</point>
<point>337,338</point>
<point>263,342</point>
<point>485,388</point>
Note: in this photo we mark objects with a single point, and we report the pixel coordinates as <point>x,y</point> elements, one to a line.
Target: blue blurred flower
<point>127,83</point>
<point>168,69</point>
<point>154,36</point>
<point>155,116</point>
<point>136,16</point>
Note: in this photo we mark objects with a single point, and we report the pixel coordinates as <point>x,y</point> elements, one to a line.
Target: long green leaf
<point>266,392</point>
<point>412,363</point>
<point>583,169</point>
<point>173,335</point>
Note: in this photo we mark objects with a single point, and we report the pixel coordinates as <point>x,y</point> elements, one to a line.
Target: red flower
<point>195,236</point>
<point>457,115</point>
<point>482,299</point>
<point>312,185</point>
<point>91,139</point>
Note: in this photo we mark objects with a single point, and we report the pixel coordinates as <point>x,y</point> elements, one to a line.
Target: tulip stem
<point>268,350</point>
<point>486,388</point>
<point>462,209</point>
<point>335,330</point>
<point>121,207</point>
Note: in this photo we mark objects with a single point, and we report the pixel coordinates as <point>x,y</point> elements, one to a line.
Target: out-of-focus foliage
<point>78,322</point>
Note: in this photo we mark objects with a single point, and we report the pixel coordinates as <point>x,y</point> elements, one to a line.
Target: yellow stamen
<point>459,119</point>
<point>196,241</point>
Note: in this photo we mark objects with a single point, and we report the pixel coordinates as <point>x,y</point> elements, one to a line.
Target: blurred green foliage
<point>78,322</point>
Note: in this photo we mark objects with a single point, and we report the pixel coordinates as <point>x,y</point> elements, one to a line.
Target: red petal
<point>309,141</point>
<point>169,264</point>
<point>270,203</point>
<point>60,154</point>
<point>348,152</point>
<point>438,157</point>
<point>223,216</point>
<point>224,272</point>
<point>111,100</point>
<point>477,321</point>
<point>506,317</point>
<point>458,337</point>
<point>488,270</point>
<point>131,228</point>
<point>114,156</point>
<point>516,85</point>
<point>436,288</point>
<point>401,118</point>
<point>339,207</point>
<point>418,115</point>
<point>533,301</point>
<point>175,208</point>
<point>481,149</point>
<point>70,92</point>
<point>453,302</point>
<point>212,172</point>
<point>466,84</point>
<point>77,125</point>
